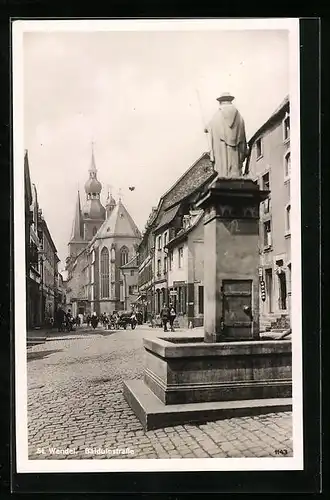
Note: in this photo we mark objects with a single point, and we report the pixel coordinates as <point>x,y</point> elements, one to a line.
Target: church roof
<point>119,223</point>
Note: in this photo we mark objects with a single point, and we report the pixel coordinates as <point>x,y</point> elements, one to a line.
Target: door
<point>237,308</point>
<point>269,289</point>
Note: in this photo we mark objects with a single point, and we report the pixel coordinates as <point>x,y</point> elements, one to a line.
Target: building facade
<point>186,270</point>
<point>269,163</point>
<point>49,272</point>
<point>103,240</point>
<point>32,243</point>
<point>41,260</point>
<point>165,223</point>
<point>129,290</point>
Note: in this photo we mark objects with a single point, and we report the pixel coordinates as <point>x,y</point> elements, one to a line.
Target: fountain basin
<point>187,379</point>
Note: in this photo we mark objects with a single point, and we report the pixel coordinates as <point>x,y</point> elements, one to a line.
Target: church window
<point>104,272</point>
<point>123,256</point>
<point>94,231</point>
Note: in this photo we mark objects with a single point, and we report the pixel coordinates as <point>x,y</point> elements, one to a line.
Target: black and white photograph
<point>156,221</point>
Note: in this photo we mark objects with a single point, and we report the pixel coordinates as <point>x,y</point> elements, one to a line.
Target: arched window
<point>104,273</point>
<point>287,219</point>
<point>113,254</point>
<point>94,230</point>
<point>123,255</point>
<point>287,165</point>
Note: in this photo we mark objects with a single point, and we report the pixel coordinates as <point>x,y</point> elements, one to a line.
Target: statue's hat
<point>225,96</point>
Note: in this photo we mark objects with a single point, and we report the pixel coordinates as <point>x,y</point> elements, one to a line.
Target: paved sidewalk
<point>76,407</point>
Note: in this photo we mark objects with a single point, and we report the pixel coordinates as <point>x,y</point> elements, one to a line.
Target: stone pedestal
<point>231,243</point>
<point>229,371</point>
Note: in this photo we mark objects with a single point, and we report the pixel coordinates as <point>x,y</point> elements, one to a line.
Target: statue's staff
<point>204,122</point>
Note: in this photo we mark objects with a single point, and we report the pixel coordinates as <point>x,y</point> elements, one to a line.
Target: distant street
<point>76,407</point>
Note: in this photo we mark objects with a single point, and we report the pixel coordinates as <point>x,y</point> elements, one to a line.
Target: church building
<point>103,239</point>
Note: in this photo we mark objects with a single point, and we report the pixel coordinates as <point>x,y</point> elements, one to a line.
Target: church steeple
<point>111,203</point>
<point>93,208</point>
<point>77,227</point>
<point>93,166</point>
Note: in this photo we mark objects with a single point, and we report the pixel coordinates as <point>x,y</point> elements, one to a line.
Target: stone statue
<point>228,141</point>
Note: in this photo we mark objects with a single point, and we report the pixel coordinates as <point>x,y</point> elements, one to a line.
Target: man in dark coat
<point>60,319</point>
<point>165,316</point>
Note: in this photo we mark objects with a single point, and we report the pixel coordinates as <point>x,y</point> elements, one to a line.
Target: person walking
<point>60,319</point>
<point>94,320</point>
<point>165,316</point>
<point>172,317</point>
<point>81,316</point>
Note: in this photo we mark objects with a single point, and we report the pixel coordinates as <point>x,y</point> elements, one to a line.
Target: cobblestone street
<point>76,403</point>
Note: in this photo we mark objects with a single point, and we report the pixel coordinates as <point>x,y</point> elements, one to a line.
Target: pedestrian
<point>172,317</point>
<point>81,316</point>
<point>69,320</point>
<point>60,319</point>
<point>78,320</point>
<point>115,319</point>
<point>165,316</point>
<point>94,320</point>
<point>88,319</point>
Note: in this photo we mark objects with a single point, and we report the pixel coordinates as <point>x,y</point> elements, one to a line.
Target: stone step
<point>153,414</point>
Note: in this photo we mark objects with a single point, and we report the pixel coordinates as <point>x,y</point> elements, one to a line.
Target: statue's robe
<point>228,141</point>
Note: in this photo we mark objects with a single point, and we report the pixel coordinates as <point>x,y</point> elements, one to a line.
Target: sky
<point>143,98</point>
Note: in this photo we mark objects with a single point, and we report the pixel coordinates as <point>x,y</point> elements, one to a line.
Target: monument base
<point>189,380</point>
<point>153,414</point>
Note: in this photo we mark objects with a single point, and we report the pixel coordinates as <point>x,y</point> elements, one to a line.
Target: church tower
<point>93,211</point>
<point>77,242</point>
